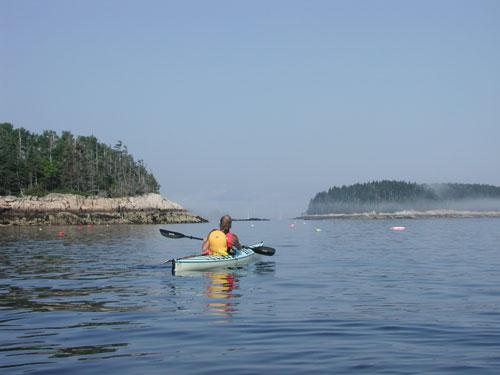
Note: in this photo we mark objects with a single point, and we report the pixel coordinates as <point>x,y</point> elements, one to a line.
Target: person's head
<point>225,223</point>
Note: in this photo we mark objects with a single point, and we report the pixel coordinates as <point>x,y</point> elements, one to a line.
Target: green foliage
<point>36,191</point>
<point>391,195</point>
<point>35,164</point>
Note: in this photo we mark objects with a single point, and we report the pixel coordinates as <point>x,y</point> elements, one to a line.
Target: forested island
<point>389,198</point>
<point>36,164</point>
<point>49,178</point>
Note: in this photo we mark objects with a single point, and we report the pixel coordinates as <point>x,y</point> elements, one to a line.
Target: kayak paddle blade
<point>171,234</point>
<point>264,250</point>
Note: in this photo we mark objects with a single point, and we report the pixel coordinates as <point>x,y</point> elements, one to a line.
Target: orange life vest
<point>217,243</point>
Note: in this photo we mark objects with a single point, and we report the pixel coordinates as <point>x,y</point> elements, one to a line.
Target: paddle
<point>262,250</point>
<point>176,235</point>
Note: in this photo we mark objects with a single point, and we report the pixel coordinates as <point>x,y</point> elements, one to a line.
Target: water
<point>354,297</point>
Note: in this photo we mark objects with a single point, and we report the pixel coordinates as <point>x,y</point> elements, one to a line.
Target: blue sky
<point>255,106</point>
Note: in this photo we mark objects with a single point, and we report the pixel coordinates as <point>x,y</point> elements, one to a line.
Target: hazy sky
<point>255,106</point>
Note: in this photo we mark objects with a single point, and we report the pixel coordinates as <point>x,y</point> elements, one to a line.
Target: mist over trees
<point>390,196</point>
<point>35,164</point>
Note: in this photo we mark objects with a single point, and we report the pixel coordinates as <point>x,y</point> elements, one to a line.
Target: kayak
<point>207,262</point>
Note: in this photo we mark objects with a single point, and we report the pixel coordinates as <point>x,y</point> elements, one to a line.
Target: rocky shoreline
<point>70,209</point>
<point>431,214</point>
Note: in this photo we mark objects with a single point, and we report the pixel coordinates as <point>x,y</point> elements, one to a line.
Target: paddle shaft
<point>194,238</point>
<point>263,250</point>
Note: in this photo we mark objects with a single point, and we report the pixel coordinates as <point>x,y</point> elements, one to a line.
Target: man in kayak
<point>220,240</point>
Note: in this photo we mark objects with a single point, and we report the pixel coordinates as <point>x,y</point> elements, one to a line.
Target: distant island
<point>49,178</point>
<point>399,199</point>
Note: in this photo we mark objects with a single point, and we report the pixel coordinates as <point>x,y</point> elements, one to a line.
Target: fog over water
<point>484,205</point>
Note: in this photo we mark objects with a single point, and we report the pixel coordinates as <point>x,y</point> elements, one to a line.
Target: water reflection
<point>220,287</point>
<point>52,299</point>
<point>220,291</point>
<point>265,267</point>
<point>78,296</point>
<point>87,350</point>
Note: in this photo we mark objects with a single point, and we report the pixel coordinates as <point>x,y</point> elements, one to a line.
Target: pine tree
<point>41,163</point>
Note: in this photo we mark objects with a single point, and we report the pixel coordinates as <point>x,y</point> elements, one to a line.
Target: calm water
<point>353,297</point>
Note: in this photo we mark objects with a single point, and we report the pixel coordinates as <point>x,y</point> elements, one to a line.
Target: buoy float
<point>60,233</point>
<point>318,230</point>
<point>292,225</point>
<point>398,228</point>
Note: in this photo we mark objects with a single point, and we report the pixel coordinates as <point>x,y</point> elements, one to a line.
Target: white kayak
<point>208,262</point>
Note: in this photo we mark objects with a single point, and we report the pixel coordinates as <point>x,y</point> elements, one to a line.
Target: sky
<point>254,107</point>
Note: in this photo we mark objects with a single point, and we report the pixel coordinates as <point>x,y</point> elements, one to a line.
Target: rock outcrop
<point>76,209</point>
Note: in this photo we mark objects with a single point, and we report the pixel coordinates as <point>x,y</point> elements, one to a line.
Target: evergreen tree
<point>41,163</point>
<point>390,195</point>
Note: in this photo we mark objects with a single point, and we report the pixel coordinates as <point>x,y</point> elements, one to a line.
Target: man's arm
<point>236,242</point>
<point>205,246</point>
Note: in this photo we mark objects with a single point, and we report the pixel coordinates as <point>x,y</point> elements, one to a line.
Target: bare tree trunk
<point>51,144</point>
<point>19,162</point>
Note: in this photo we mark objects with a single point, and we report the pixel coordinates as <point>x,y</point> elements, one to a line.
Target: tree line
<point>36,164</point>
<point>393,195</point>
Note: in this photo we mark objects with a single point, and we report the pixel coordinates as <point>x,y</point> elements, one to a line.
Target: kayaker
<point>232,239</point>
<point>220,240</point>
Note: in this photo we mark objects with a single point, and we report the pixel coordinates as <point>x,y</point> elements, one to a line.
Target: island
<point>62,179</point>
<point>388,199</point>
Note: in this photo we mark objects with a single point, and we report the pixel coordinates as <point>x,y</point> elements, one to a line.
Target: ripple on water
<point>353,298</point>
